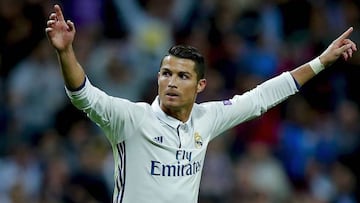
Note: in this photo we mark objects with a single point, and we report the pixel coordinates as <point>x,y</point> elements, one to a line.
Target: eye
<point>166,73</point>
<point>184,76</point>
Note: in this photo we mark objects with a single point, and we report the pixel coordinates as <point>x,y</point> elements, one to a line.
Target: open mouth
<point>171,95</point>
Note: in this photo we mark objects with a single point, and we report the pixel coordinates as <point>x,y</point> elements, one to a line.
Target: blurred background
<point>305,150</point>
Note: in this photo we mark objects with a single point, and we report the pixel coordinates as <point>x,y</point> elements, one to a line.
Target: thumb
<point>344,48</point>
<point>345,51</point>
<point>71,26</point>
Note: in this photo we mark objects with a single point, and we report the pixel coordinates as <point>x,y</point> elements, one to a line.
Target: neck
<point>181,114</point>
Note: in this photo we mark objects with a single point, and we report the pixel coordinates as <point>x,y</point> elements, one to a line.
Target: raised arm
<point>61,35</point>
<point>342,46</point>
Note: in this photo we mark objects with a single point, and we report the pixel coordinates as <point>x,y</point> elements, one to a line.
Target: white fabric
<point>159,159</point>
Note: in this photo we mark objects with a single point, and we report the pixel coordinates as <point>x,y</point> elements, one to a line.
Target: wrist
<point>65,50</point>
<point>316,65</point>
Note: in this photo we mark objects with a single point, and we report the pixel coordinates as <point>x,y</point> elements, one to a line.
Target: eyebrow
<point>167,69</point>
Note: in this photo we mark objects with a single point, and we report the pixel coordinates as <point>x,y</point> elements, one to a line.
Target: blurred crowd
<point>305,150</point>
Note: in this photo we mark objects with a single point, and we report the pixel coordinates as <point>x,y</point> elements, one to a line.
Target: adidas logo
<point>159,139</point>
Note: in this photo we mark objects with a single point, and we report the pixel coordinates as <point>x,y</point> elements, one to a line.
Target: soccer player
<point>159,149</point>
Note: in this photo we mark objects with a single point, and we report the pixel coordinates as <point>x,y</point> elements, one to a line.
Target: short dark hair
<point>189,52</point>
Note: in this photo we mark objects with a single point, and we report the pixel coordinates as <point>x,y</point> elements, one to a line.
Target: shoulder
<point>205,108</point>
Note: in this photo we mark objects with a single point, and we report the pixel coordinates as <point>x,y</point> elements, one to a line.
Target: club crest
<point>198,140</point>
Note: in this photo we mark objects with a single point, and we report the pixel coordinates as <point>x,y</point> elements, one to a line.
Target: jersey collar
<point>160,114</point>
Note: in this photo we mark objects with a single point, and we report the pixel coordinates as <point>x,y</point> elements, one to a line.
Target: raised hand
<point>342,46</point>
<point>60,33</point>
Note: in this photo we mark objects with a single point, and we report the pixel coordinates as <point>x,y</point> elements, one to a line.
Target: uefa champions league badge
<point>198,140</point>
<point>227,102</point>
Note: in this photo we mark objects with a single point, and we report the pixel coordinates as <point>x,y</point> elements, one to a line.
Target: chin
<point>169,104</point>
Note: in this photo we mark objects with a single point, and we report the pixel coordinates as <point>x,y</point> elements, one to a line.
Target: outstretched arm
<point>342,46</point>
<point>61,35</point>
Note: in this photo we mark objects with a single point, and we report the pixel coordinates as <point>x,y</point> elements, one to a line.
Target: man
<point>159,149</point>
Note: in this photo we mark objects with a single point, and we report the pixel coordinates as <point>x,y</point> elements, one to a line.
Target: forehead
<point>178,64</point>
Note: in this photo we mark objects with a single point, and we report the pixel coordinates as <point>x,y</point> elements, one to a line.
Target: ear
<point>201,85</point>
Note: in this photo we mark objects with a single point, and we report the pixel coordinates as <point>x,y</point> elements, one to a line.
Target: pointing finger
<point>345,34</point>
<point>59,14</point>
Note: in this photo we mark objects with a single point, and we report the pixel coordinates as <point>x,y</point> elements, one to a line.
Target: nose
<point>172,82</point>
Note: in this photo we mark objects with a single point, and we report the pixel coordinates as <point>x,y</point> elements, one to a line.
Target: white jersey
<point>159,159</point>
